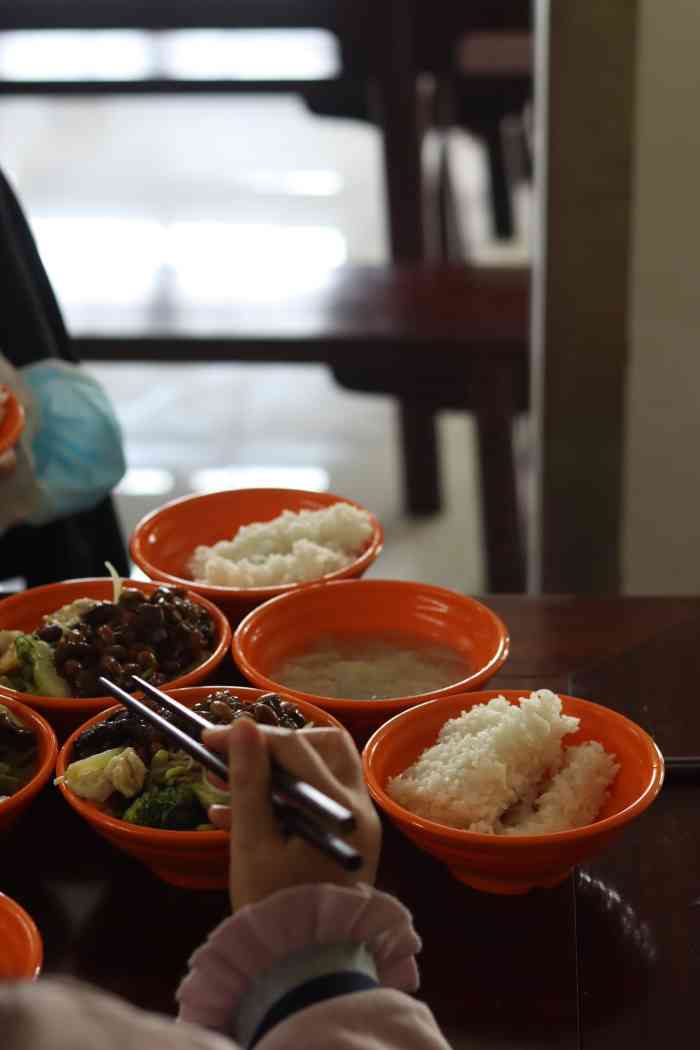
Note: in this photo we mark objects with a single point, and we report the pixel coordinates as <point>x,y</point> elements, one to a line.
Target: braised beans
<point>159,636</point>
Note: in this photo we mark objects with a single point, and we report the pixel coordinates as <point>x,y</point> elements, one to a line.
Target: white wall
<point>661,529</point>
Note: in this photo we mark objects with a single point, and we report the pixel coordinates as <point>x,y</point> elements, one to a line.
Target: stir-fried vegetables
<point>99,776</point>
<point>174,792</point>
<point>125,763</point>
<point>18,753</point>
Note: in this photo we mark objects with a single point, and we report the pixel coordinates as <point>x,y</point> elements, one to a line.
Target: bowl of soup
<point>364,650</point>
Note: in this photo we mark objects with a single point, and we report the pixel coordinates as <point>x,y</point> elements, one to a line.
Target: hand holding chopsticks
<point>301,807</point>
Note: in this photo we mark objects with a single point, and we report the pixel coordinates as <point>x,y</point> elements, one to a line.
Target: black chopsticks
<point>293,791</point>
<point>682,768</point>
<point>193,747</point>
<point>297,804</point>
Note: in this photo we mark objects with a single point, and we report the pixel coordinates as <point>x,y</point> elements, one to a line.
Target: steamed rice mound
<point>500,768</point>
<point>292,548</point>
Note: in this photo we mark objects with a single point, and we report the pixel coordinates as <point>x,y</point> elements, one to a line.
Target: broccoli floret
<point>174,806</point>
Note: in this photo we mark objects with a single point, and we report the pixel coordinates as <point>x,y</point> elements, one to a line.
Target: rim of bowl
<point>13,420</point>
<point>256,594</point>
<point>87,703</point>
<point>456,835</point>
<point>39,724</point>
<point>134,832</point>
<point>248,623</point>
<point>34,941</point>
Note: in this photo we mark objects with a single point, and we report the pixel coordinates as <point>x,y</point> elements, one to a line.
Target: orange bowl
<point>286,626</point>
<point>195,860</point>
<point>24,611</point>
<point>11,419</point>
<point>15,805</point>
<point>163,542</point>
<point>22,949</point>
<point>518,863</point>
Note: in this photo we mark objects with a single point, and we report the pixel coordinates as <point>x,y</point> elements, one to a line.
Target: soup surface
<point>368,667</point>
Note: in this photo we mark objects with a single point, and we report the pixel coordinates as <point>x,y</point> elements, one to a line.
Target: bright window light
<point>146,481</point>
<point>101,259</point>
<point>215,479</point>
<point>109,260</point>
<point>249,54</point>
<point>66,54</point>
<point>218,261</point>
<point>296,183</point>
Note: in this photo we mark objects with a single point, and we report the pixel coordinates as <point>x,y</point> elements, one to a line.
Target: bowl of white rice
<point>240,547</point>
<point>511,790</point>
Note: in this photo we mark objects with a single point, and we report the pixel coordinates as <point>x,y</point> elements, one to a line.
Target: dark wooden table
<point>608,959</point>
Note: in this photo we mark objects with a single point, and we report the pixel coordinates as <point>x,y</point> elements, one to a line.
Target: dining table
<point>610,958</point>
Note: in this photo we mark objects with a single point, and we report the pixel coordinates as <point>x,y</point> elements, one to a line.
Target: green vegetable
<point>88,777</point>
<point>174,806</point>
<point>168,767</point>
<point>209,794</point>
<point>177,767</point>
<point>38,668</point>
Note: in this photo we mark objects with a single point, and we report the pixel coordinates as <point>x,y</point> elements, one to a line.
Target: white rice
<point>292,548</point>
<point>574,795</point>
<point>501,769</point>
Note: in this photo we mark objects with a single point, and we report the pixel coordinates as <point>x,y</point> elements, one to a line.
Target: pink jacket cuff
<point>250,942</point>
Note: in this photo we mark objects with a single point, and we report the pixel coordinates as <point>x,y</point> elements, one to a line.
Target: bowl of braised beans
<point>145,796</point>
<point>56,640</point>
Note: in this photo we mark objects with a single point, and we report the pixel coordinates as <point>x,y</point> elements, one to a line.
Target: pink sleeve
<point>255,938</point>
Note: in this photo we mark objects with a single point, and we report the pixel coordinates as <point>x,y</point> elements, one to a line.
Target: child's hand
<point>262,859</point>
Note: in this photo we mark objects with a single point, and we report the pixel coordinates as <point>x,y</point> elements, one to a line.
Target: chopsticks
<point>193,747</point>
<point>682,767</point>
<point>295,792</point>
<point>296,803</point>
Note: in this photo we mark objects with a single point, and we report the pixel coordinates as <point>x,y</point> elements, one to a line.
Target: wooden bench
<point>440,337</point>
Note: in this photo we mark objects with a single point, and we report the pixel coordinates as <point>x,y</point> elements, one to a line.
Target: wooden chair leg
<point>451,242</point>
<point>401,133</point>
<point>420,451</point>
<point>499,186</point>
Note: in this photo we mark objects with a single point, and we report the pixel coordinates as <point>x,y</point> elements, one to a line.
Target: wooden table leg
<point>503,533</point>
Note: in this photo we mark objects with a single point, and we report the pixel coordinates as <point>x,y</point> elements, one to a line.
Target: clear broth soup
<point>371,667</point>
